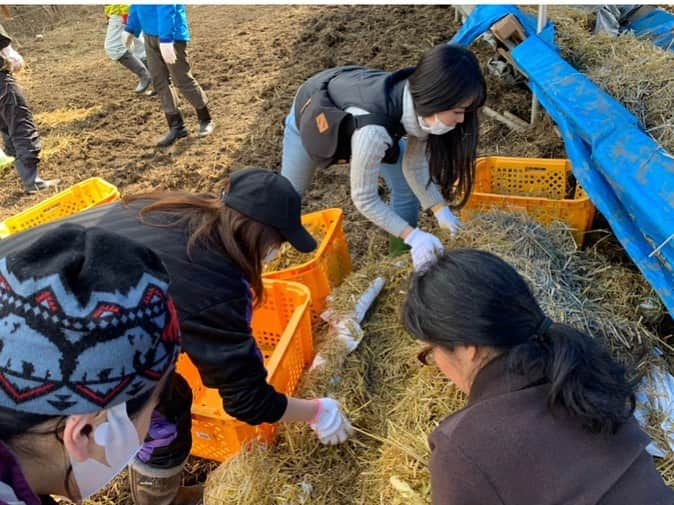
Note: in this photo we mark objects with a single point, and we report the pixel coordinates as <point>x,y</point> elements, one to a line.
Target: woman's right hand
<point>330,424</point>
<point>425,247</point>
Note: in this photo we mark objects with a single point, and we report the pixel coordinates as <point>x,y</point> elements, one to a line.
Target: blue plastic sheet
<point>658,26</point>
<point>628,176</point>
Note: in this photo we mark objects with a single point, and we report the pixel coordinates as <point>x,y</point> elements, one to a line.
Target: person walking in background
<point>19,133</point>
<point>134,57</point>
<point>166,35</point>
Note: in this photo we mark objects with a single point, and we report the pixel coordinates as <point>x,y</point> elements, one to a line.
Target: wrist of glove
<point>14,60</point>
<point>448,221</point>
<point>425,248</point>
<point>330,424</point>
<point>168,52</point>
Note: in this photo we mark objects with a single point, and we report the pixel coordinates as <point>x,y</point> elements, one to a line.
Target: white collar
<point>409,118</point>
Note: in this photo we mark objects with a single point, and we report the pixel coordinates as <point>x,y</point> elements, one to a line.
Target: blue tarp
<point>658,26</point>
<point>628,176</point>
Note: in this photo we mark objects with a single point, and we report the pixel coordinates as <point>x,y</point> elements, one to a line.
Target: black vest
<point>375,91</point>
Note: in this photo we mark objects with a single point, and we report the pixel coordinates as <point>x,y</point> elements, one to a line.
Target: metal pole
<point>542,19</point>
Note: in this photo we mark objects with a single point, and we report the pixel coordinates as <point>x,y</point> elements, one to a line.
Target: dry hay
<point>394,403</point>
<point>58,117</point>
<point>634,71</point>
<point>290,257</point>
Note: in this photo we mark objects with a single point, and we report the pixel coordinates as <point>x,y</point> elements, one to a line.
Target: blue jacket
<point>166,22</point>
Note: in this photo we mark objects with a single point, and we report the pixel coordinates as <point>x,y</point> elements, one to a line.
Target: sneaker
<point>41,184</point>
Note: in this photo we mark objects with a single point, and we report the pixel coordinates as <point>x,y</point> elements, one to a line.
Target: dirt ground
<point>250,61</point>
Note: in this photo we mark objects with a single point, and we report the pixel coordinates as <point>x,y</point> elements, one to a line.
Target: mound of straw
<point>634,71</point>
<point>290,257</point>
<point>394,402</point>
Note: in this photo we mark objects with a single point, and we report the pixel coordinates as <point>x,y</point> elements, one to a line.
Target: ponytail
<point>471,297</point>
<point>585,380</point>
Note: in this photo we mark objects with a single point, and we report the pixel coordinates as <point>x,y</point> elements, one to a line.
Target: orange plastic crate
<point>533,185</point>
<point>282,328</point>
<point>331,261</point>
<point>79,197</point>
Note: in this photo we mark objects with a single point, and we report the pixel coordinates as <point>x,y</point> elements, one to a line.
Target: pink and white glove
<point>128,40</point>
<point>168,52</point>
<point>14,60</point>
<point>425,248</point>
<point>330,424</point>
<point>448,221</point>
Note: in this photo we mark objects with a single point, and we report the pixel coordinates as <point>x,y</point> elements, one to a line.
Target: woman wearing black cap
<point>361,114</point>
<point>549,414</point>
<point>214,248</point>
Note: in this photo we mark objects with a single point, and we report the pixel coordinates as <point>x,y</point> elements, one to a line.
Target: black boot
<point>176,131</point>
<point>137,67</point>
<point>206,124</point>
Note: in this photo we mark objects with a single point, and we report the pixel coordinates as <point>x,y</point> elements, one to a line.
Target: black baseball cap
<point>269,198</point>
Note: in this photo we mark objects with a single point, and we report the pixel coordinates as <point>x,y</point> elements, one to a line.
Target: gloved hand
<point>13,59</point>
<point>128,40</point>
<point>448,221</point>
<point>425,247</point>
<point>330,424</point>
<point>168,52</point>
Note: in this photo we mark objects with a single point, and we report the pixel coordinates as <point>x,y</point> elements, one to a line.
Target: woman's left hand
<point>447,220</point>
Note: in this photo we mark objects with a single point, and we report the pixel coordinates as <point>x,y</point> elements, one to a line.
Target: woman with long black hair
<point>549,414</point>
<point>362,115</point>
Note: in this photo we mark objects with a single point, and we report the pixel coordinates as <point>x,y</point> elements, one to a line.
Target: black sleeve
<point>220,344</point>
<point>5,39</point>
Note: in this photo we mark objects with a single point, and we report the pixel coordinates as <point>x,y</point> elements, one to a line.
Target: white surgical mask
<point>271,255</point>
<point>437,128</point>
<point>119,437</point>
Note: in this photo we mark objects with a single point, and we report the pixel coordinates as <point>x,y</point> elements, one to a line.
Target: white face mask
<point>271,255</point>
<point>437,128</point>
<point>119,437</point>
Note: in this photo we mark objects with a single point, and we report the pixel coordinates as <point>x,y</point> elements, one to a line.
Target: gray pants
<point>162,75</point>
<point>18,130</point>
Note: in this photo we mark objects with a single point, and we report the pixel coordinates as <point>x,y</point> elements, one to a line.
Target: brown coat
<point>506,448</point>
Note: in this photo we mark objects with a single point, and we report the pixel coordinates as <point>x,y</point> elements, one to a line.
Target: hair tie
<point>543,326</point>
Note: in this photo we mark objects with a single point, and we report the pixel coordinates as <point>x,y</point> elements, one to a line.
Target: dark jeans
<point>18,130</point>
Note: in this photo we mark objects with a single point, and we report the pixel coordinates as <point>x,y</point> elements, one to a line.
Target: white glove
<point>128,40</point>
<point>168,52</point>
<point>13,59</point>
<point>330,424</point>
<point>425,247</point>
<point>448,221</point>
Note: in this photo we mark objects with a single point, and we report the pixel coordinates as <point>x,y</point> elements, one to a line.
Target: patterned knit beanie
<point>86,322</point>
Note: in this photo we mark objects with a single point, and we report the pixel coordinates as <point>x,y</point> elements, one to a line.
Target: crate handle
<point>535,169</point>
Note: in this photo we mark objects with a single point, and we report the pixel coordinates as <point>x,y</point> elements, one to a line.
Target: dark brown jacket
<point>506,448</point>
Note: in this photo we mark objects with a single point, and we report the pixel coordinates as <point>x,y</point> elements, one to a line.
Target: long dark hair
<point>446,77</point>
<point>209,222</point>
<point>472,297</point>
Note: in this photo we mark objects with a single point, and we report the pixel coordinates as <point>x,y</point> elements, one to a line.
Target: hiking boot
<point>397,246</point>
<point>206,124</point>
<point>176,131</point>
<point>41,184</point>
